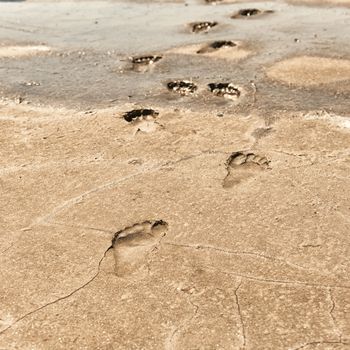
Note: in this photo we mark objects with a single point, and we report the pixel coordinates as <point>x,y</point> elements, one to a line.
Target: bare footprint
<point>143,64</point>
<point>202,27</point>
<point>216,45</point>
<point>242,165</point>
<point>143,119</point>
<point>250,12</point>
<point>226,90</point>
<point>132,245</point>
<point>182,87</point>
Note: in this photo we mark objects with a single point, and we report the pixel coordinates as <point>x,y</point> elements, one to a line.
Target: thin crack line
<point>60,298</point>
<point>335,323</point>
<point>112,183</point>
<point>240,314</point>
<point>57,223</point>
<point>172,341</point>
<point>318,343</point>
<point>265,280</point>
<point>6,249</point>
<point>234,252</point>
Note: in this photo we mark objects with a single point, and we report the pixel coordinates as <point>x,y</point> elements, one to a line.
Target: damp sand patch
<point>310,71</point>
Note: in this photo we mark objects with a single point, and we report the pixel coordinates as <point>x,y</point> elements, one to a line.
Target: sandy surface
<point>309,71</point>
<point>20,51</point>
<point>208,219</point>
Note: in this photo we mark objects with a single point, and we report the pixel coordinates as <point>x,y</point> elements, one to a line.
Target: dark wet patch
<point>224,90</point>
<point>217,45</point>
<point>142,113</point>
<point>200,27</point>
<point>183,87</point>
<point>145,60</point>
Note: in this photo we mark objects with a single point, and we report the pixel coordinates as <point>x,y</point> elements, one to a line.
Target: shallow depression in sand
<point>309,71</point>
<point>234,52</point>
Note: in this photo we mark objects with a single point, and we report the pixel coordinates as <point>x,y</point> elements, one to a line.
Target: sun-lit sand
<point>162,188</point>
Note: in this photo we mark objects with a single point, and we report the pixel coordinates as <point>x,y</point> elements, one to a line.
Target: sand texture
<point>162,188</point>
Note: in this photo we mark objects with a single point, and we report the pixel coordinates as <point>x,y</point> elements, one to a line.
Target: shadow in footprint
<point>249,13</point>
<point>216,45</point>
<point>144,119</point>
<point>132,245</point>
<point>243,165</point>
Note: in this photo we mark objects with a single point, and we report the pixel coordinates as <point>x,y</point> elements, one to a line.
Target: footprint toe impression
<point>182,87</point>
<point>243,165</point>
<point>202,27</point>
<point>226,90</point>
<point>140,114</point>
<point>132,245</point>
<point>216,45</point>
<point>143,63</point>
<point>249,12</point>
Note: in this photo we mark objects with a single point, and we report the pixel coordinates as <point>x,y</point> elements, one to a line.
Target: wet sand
<point>171,183</point>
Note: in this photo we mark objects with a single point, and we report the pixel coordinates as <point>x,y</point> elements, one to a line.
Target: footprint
<point>183,87</point>
<point>249,12</point>
<point>144,120</point>
<point>202,27</point>
<point>217,45</point>
<point>132,245</point>
<point>226,90</point>
<point>242,165</point>
<point>144,63</point>
<point>140,114</point>
<point>219,49</point>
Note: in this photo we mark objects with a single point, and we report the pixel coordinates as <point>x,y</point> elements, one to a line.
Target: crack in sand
<point>60,298</point>
<point>8,248</point>
<point>334,321</point>
<point>237,252</point>
<point>57,223</point>
<point>272,281</point>
<point>240,315</point>
<point>110,184</point>
<point>170,343</point>
<point>319,343</point>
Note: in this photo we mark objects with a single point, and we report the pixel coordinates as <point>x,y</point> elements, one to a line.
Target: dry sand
<point>195,222</point>
<point>309,71</point>
<point>20,51</point>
